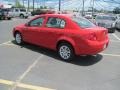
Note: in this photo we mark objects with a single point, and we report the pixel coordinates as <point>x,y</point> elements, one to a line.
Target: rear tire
<point>9,18</point>
<point>21,16</point>
<point>66,51</point>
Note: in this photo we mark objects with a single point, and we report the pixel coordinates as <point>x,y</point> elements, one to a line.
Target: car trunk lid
<point>98,32</point>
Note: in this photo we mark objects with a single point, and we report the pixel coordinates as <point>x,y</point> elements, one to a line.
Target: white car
<point>19,12</point>
<point>106,21</point>
<point>117,24</point>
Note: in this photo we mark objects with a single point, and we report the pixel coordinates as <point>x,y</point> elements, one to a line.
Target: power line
<point>112,1</point>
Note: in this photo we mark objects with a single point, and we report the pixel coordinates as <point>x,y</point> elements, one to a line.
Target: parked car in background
<point>106,21</point>
<point>19,12</point>
<point>118,16</point>
<point>117,24</point>
<point>88,15</point>
<point>39,12</point>
<point>68,35</point>
<point>1,14</point>
<point>4,14</point>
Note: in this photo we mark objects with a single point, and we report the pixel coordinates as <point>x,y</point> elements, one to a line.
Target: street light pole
<point>28,5</point>
<point>93,8</point>
<point>23,3</point>
<point>59,5</point>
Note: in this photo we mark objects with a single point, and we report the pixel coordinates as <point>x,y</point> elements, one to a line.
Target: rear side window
<point>22,10</point>
<point>55,22</point>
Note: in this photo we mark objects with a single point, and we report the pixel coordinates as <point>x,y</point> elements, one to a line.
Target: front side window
<point>55,23</point>
<point>82,22</point>
<point>37,22</point>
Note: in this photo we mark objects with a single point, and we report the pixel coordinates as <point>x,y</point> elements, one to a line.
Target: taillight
<point>92,37</point>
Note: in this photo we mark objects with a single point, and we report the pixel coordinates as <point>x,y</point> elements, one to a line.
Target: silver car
<point>106,21</point>
<point>117,24</point>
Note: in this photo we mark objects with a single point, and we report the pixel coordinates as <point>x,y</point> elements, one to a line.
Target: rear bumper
<point>92,48</point>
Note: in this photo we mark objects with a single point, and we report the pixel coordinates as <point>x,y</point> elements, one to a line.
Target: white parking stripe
<point>114,41</point>
<point>115,55</point>
<point>116,37</point>
<point>5,43</point>
<point>23,85</point>
<point>26,72</point>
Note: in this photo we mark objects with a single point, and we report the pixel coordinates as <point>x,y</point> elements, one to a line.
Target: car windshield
<point>106,18</point>
<point>82,22</point>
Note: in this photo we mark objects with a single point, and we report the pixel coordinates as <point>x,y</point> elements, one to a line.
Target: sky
<point>72,4</point>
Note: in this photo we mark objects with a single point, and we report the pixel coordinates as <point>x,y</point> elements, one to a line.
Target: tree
<point>116,10</point>
<point>41,7</point>
<point>45,7</point>
<point>18,4</point>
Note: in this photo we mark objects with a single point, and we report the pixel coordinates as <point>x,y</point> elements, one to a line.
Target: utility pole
<point>28,4</point>
<point>23,3</point>
<point>59,5</point>
<point>93,7</point>
<point>33,4</point>
<point>83,11</point>
<point>44,3</point>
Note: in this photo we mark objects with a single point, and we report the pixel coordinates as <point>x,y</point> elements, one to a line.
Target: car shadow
<point>78,60</point>
<point>118,30</point>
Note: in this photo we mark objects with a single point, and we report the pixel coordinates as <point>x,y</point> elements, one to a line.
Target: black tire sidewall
<point>21,38</point>
<point>21,16</point>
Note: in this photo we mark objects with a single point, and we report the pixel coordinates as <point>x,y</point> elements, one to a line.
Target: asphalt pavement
<point>30,67</point>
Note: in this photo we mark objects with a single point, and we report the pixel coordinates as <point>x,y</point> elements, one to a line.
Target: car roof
<point>56,15</point>
<point>60,15</point>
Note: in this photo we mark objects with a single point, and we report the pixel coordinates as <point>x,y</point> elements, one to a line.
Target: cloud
<point>72,4</point>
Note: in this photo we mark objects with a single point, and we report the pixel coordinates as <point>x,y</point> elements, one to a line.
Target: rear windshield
<point>82,22</point>
<point>106,18</point>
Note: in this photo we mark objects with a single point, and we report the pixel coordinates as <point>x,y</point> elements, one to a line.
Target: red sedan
<point>68,35</point>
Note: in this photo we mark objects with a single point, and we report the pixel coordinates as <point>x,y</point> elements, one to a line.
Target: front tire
<point>66,52</point>
<point>18,38</point>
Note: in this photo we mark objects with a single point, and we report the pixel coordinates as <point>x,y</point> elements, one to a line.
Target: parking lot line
<point>114,41</point>
<point>115,55</point>
<point>6,82</point>
<point>10,44</point>
<point>26,72</point>
<point>116,37</point>
<point>5,43</point>
<point>23,85</point>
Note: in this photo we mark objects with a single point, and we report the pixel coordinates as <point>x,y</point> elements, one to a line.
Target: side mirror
<point>27,24</point>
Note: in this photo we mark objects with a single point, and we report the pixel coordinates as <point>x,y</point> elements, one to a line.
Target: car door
<point>16,12</point>
<point>32,33</point>
<point>53,29</point>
